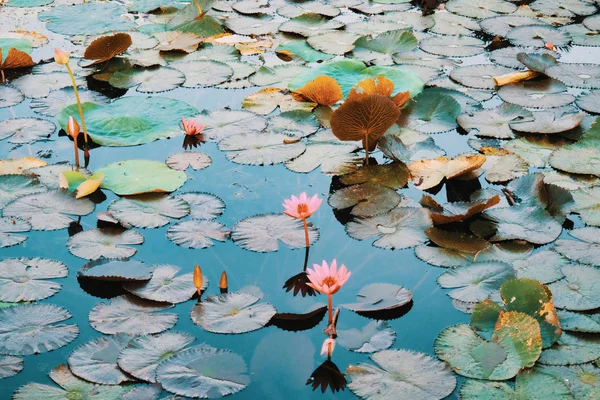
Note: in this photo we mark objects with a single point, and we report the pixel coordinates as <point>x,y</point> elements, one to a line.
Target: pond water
<point>279,362</point>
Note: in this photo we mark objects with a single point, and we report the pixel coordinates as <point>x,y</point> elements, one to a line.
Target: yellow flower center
<point>329,281</point>
<point>302,208</point>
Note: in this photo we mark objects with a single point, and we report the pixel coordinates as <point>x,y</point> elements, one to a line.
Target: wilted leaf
<point>429,173</point>
<point>106,47</point>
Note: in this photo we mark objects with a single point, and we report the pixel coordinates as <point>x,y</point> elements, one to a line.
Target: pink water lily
<point>192,127</point>
<point>301,207</point>
<point>328,279</point>
<point>328,346</point>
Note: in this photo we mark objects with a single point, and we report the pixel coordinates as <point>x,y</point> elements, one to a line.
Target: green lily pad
<point>140,176</point>
<point>301,49</point>
<point>349,72</point>
<point>544,266</point>
<point>150,80</point>
<point>26,279</point>
<point>484,317</point>
<point>380,50</point>
<point>430,113</point>
<point>93,18</point>
<point>131,120</point>
<point>576,292</point>
<point>401,374</point>
<point>579,321</point>
<point>583,380</point>
<point>580,157</point>
<point>15,186</point>
<point>572,348</point>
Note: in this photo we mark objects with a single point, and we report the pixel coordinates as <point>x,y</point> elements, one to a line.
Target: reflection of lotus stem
<point>330,308</point>
<point>367,149</point>
<point>306,233</point>
<point>85,135</point>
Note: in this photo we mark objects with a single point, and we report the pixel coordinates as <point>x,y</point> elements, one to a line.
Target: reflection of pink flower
<point>303,207</point>
<point>192,127</point>
<point>328,346</point>
<point>72,127</point>
<point>327,280</point>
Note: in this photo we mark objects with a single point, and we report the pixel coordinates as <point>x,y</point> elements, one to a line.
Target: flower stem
<point>76,152</point>
<point>306,233</point>
<point>367,149</point>
<point>330,308</point>
<point>3,77</point>
<point>85,135</point>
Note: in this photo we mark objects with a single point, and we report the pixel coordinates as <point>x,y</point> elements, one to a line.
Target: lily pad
<point>94,18</point>
<point>203,205</point>
<point>210,372</point>
<point>589,102</point>
<point>143,354</point>
<point>222,123</point>
<point>235,312</point>
<point>186,159</point>
<point>48,210</point>
<point>260,148</point>
<point>544,266</point>
<point>480,8</point>
<point>564,8</point>
<point>166,285</point>
<point>132,315</point>
<point>96,360</point>
<point>34,328</point>
<point>262,233</point>
<point>10,366</point>
<point>131,120</point>
<point>547,93</point>
<point>494,122</point>
<point>149,210</point>
<point>401,374</point>
<point>116,270</point>
<point>429,173</point>
<point>572,348</point>
<point>478,76</point>
<point>430,113</point>
<point>576,292</point>
<point>537,36</point>
<point>25,279</point>
<point>375,336</point>
<point>197,234</point>
<point>365,200</point>
<point>587,204</point>
<point>150,80</point>
<point>96,243</point>
<point>502,24</point>
<point>10,228</point>
<point>15,186</point>
<point>10,96</point>
<point>380,49</point>
<point>586,76</point>
<point>26,130</point>
<point>379,297</point>
<point>140,176</point>
<point>580,157</point>
<point>476,282</point>
<point>453,46</point>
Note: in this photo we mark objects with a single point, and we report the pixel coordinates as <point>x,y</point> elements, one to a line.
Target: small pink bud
<point>61,56</point>
<point>72,127</point>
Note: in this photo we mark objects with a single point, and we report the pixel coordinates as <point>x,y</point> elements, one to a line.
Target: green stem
<point>85,135</point>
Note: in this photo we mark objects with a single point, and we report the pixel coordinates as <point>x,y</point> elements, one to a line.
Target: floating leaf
<point>297,124</point>
<point>537,36</point>
<point>457,211</point>
<point>131,315</point>
<point>10,96</point>
<point>572,348</point>
<point>380,49</point>
<point>166,286</point>
<point>585,76</point>
<point>375,336</point>
<point>9,226</point>
<point>310,25</point>
<point>544,266</point>
<point>400,228</point>
<point>94,18</point>
<point>589,102</point>
<point>453,46</point>
<point>587,205</point>
<point>564,8</point>
<point>96,243</point>
<point>365,200</point>
<point>480,8</point>
<point>235,312</point>
<point>149,210</point>
<point>16,166</point>
<point>49,210</point>
<point>263,232</point>
<point>131,120</point>
<point>322,90</point>
<point>96,360</point>
<point>204,73</point>
<point>267,100</point>
<point>210,372</point>
<point>579,157</point>
<point>403,373</point>
<point>143,354</point>
<point>25,279</point>
<point>197,234</point>
<point>429,173</point>
<point>430,113</point>
<point>476,282</point>
<point>546,93</point>
<point>583,380</point>
<point>494,122</point>
<point>203,205</point>
<point>26,130</point>
<point>222,123</point>
<point>260,148</point>
<point>140,176</point>
<point>151,80</point>
<point>10,366</point>
<point>380,297</point>
<point>116,270</point>
<point>479,76</point>
<point>576,292</point>
<point>186,159</point>
<point>106,47</point>
<point>34,328</point>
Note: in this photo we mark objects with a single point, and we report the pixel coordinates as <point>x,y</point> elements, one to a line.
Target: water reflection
<point>327,375</point>
<point>299,282</point>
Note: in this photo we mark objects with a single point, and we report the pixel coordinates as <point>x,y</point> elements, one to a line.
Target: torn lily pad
<point>10,228</point>
<point>27,279</point>
<point>132,315</point>
<point>235,312</point>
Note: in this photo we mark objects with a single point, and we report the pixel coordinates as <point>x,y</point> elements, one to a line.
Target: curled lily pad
<point>260,148</point>
<point>143,354</point>
<point>210,372</point>
<point>235,312</point>
<point>379,297</point>
<point>10,228</point>
<point>70,385</point>
<point>116,270</point>
<point>509,56</point>
<point>400,228</point>
<point>457,211</point>
<point>96,243</point>
<point>25,279</point>
<point>476,282</point>
<point>149,210</point>
<point>263,232</point>
<point>140,176</point>
<point>516,343</point>
<point>576,292</point>
<point>132,315</point>
<point>10,366</point>
<point>49,210</point>
<point>203,205</point>
<point>34,328</point>
<point>197,234</point>
<point>375,336</point>
<point>401,374</point>
<point>365,200</point>
<point>96,360</point>
<point>166,285</point>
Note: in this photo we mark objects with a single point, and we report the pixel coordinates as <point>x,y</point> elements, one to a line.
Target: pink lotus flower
<point>327,279</point>
<point>303,207</point>
<point>192,127</point>
<point>61,56</point>
<point>328,346</point>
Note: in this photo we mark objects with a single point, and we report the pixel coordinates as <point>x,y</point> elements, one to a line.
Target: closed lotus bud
<point>223,283</point>
<point>198,278</point>
<point>73,128</point>
<point>61,56</point>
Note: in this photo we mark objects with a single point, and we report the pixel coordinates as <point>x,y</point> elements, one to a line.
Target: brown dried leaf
<point>378,85</point>
<point>429,173</point>
<point>16,59</point>
<point>106,47</point>
<point>323,90</point>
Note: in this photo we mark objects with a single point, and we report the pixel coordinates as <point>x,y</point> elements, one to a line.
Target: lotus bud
<point>223,282</point>
<point>73,128</point>
<point>198,278</point>
<point>61,56</point>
